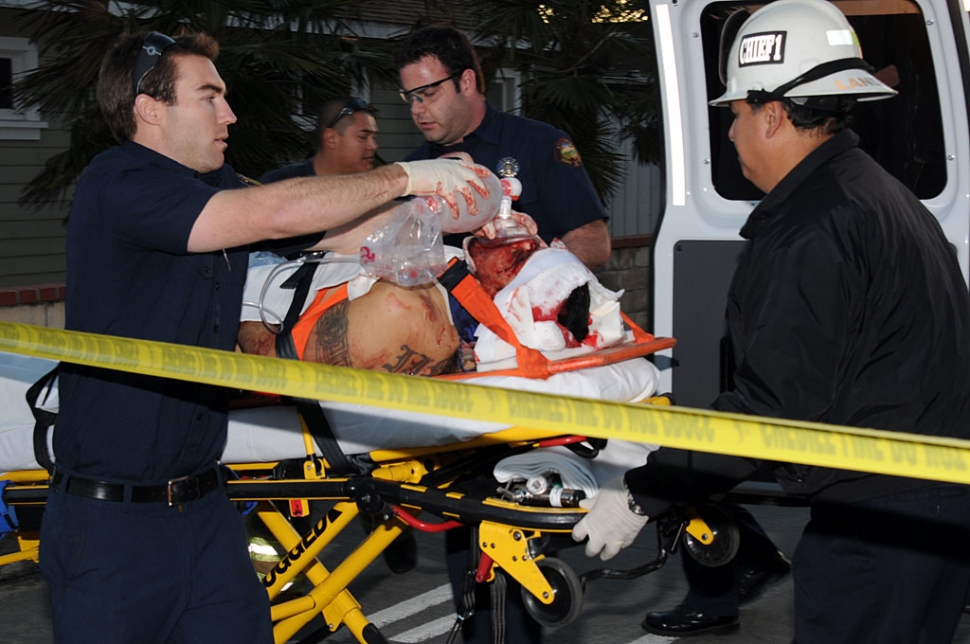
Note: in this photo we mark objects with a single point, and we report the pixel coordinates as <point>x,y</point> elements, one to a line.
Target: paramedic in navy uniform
<point>443,84</point>
<point>140,543</point>
<point>345,138</point>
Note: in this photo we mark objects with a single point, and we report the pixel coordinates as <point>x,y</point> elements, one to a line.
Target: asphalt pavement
<point>416,607</point>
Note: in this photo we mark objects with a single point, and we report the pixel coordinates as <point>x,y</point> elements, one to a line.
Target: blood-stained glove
<point>611,523</point>
<point>471,192</point>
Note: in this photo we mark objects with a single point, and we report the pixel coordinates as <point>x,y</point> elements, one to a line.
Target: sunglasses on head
<point>352,106</point>
<point>152,47</point>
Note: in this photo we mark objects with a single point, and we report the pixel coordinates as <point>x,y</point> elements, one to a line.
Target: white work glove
<point>471,192</point>
<point>610,524</point>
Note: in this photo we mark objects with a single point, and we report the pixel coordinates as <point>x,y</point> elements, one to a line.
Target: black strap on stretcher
<point>43,420</point>
<point>498,593</point>
<point>454,274</point>
<point>310,410</point>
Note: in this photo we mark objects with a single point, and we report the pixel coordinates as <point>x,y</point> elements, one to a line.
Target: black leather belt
<point>180,490</point>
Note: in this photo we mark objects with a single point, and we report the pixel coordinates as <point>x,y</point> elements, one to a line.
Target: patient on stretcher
<point>390,328</point>
<point>364,322</point>
<point>416,330</point>
<point>350,319</point>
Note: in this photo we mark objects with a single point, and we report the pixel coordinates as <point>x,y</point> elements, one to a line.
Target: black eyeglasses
<point>409,95</point>
<point>152,47</point>
<point>352,106</point>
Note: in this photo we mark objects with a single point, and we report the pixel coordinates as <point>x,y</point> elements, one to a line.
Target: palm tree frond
<point>279,58</point>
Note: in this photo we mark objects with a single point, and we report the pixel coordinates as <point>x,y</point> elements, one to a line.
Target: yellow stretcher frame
<point>398,470</point>
<point>510,533</point>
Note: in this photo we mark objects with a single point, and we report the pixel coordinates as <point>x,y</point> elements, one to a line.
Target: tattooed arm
<point>391,328</point>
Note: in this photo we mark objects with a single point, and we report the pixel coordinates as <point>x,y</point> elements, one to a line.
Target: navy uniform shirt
<point>301,169</point>
<point>129,274</point>
<point>290,247</point>
<point>556,191</point>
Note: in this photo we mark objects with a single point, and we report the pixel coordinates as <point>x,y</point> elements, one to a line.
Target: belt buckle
<point>173,482</point>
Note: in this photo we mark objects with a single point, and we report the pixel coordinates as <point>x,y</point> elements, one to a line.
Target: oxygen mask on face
<point>507,229</point>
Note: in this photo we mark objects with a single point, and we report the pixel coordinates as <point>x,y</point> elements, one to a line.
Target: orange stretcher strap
<point>601,358</point>
<point>324,299</point>
<point>476,301</point>
<point>531,363</point>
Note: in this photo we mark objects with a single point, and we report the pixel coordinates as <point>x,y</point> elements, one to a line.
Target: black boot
<point>751,583</point>
<point>684,620</point>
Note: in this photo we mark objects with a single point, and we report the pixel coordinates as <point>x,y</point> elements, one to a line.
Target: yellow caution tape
<point>866,450</point>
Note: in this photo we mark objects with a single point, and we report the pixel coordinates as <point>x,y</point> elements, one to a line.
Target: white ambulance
<point>921,136</point>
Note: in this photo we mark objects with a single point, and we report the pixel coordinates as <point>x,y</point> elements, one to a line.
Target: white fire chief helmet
<point>798,49</point>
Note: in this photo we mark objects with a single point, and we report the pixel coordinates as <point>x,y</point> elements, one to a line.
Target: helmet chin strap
<point>760,96</point>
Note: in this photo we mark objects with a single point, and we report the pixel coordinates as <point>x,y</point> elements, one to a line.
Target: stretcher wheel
<point>724,542</point>
<point>568,590</point>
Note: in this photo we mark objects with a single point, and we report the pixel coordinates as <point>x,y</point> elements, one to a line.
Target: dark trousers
<point>712,591</point>
<point>129,573</point>
<point>888,570</point>
<point>520,628</point>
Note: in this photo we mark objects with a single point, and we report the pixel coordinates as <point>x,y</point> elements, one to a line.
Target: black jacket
<point>847,307</point>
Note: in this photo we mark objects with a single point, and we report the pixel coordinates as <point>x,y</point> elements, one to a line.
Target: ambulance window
<point>904,134</point>
<point>6,82</point>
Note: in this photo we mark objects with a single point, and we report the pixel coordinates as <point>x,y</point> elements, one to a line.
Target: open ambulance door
<point>920,136</point>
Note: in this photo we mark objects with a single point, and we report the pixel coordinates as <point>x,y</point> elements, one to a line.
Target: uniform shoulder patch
<point>567,153</point>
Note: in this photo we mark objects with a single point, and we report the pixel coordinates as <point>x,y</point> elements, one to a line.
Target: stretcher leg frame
<point>329,595</point>
<point>509,547</point>
<point>409,481</point>
<point>332,586</point>
<point>29,549</point>
<point>301,550</point>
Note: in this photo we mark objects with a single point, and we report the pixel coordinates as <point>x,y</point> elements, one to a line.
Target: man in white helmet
<point>847,307</point>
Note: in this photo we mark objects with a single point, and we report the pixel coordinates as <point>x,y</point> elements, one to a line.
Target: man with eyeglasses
<point>139,541</point>
<point>345,138</point>
<point>442,82</point>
